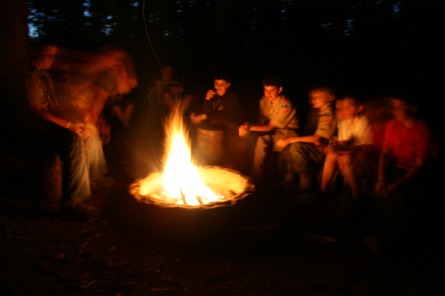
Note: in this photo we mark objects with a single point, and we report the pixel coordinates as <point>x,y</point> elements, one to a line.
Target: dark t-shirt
<point>223,108</point>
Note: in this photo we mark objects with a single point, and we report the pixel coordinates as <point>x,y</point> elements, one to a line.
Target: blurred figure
<point>409,142</point>
<point>403,175</point>
<point>165,90</point>
<point>277,120</point>
<point>52,132</point>
<point>122,109</point>
<point>353,141</point>
<point>304,155</point>
<point>86,82</point>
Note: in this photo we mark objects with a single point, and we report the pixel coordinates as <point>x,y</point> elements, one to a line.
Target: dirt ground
<point>272,242</point>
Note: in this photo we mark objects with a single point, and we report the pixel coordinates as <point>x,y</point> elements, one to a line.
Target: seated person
<point>173,95</point>
<point>303,155</point>
<point>352,143</point>
<point>123,109</point>
<point>220,109</point>
<point>161,86</point>
<point>277,120</point>
<point>403,173</point>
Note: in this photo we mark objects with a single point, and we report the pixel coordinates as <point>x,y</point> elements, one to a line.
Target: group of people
<point>341,135</point>
<point>379,153</point>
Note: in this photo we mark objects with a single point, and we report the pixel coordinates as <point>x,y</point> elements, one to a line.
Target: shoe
<point>102,182</point>
<point>284,185</point>
<point>50,207</point>
<point>288,178</point>
<point>77,212</point>
<point>373,246</point>
<point>309,197</point>
<point>305,184</point>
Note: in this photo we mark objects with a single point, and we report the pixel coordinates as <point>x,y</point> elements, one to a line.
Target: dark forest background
<point>363,43</point>
<point>372,47</point>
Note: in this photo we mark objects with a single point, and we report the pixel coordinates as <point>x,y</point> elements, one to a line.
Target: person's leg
<point>304,158</point>
<point>347,169</point>
<point>128,114</point>
<point>75,181</point>
<point>259,154</point>
<point>329,167</point>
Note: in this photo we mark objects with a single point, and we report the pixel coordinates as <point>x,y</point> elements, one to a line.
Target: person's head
<point>167,72</point>
<point>347,107</point>
<point>401,108</point>
<point>272,86</point>
<point>221,83</point>
<point>43,57</point>
<point>320,96</point>
<point>175,88</point>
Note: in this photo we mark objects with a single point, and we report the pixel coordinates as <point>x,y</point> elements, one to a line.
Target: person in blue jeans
<point>51,132</point>
<point>303,155</point>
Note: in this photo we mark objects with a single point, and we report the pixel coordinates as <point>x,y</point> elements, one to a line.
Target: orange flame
<point>183,183</point>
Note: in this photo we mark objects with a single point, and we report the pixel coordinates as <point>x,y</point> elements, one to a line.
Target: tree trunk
<point>14,63</point>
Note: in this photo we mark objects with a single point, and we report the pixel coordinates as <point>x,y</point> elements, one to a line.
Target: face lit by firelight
<point>320,98</point>
<point>346,109</point>
<point>271,92</point>
<point>221,86</point>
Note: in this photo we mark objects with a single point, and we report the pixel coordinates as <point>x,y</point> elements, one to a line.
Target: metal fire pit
<point>228,190</point>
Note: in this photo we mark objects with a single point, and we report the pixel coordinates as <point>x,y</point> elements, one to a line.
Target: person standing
<point>51,132</point>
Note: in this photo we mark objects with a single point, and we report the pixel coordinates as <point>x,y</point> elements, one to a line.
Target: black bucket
<point>210,145</point>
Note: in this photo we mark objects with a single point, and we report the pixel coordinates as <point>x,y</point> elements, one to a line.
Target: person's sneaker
<point>50,207</point>
<point>305,197</point>
<point>102,182</point>
<point>373,246</point>
<point>77,212</point>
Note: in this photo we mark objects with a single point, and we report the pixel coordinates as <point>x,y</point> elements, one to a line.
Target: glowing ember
<point>184,184</point>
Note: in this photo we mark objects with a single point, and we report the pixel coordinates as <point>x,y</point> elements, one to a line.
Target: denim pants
<point>53,139</point>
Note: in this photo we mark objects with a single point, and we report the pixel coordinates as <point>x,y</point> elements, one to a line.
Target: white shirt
<point>356,129</point>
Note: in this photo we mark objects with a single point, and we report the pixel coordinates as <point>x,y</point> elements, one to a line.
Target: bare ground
<point>269,243</point>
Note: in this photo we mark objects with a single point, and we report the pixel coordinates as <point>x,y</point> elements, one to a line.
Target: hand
<point>78,128</point>
<point>210,94</point>
<point>381,188</point>
<point>243,130</point>
<point>196,119</point>
<point>281,143</point>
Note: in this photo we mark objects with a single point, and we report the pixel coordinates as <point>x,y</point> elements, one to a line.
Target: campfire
<point>184,184</point>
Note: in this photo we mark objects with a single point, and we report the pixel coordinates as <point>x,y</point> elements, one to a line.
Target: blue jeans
<point>69,146</point>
